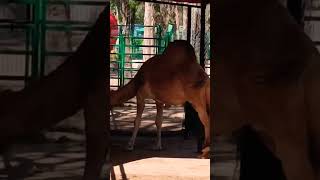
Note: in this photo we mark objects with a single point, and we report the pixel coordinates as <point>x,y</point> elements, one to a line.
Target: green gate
<point>35,26</point>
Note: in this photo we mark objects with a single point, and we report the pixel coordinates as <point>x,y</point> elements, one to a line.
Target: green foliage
<point>140,13</point>
<point>113,6</point>
<point>133,4</point>
<point>135,7</point>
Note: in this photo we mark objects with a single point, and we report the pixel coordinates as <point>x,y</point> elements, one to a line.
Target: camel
<point>267,76</point>
<point>80,82</point>
<point>171,78</point>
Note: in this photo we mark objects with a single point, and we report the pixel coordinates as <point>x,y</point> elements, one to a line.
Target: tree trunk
<point>177,16</point>
<point>195,30</point>
<point>185,22</point>
<point>125,17</point>
<point>148,32</point>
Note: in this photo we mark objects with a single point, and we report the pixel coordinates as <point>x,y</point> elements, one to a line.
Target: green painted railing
<point>36,26</point>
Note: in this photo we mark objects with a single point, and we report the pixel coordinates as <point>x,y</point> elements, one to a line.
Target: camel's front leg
<point>137,122</point>
<point>160,107</point>
<point>204,118</point>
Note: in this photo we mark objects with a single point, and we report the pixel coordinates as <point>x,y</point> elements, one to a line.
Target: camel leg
<point>204,118</point>
<point>295,161</point>
<point>137,122</point>
<point>160,107</point>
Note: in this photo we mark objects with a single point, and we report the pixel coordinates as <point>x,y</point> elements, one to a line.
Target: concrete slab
<point>158,168</point>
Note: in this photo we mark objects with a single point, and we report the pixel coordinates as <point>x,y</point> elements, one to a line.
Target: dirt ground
<point>61,155</point>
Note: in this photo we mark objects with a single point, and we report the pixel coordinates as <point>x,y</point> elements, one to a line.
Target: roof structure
<point>190,3</point>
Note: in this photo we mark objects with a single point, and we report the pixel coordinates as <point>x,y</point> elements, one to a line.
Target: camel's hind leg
<point>137,122</point>
<point>160,107</point>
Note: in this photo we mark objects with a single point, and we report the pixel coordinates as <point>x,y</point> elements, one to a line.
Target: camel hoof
<point>205,153</point>
<point>204,156</point>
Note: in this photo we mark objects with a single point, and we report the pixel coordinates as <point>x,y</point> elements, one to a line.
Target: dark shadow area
<point>256,160</point>
<point>173,147</point>
<point>51,159</point>
<point>123,172</point>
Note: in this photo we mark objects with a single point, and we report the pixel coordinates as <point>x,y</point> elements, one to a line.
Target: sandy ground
<point>61,155</point>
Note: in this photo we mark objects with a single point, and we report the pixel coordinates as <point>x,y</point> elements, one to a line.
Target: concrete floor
<point>224,165</point>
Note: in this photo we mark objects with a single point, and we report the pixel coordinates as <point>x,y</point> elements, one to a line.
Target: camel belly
<point>168,94</point>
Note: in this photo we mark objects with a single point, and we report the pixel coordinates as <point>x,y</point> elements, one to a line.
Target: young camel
<point>78,83</point>
<point>267,74</point>
<point>171,78</point>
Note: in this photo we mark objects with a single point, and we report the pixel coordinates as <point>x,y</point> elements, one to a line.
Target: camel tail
<point>127,91</point>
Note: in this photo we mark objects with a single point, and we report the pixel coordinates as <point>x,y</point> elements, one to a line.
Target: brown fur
<point>172,78</point>
<point>77,83</point>
<point>267,75</point>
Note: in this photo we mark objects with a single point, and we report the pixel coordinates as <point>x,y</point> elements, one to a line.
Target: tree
<point>177,19</point>
<point>185,22</point>
<point>195,30</point>
<point>148,32</point>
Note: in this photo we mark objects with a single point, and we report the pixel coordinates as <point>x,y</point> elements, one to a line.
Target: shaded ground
<point>123,119</point>
<point>62,155</point>
<point>224,165</point>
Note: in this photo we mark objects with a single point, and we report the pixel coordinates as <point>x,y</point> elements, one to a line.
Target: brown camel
<point>78,83</point>
<point>267,75</point>
<point>171,78</point>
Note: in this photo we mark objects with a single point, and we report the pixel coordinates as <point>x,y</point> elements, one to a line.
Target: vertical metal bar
<point>43,16</point>
<point>35,40</point>
<point>189,25</point>
<point>202,34</point>
<point>131,49</point>
<point>122,58</point>
<point>160,39</point>
<point>296,9</point>
<point>27,45</point>
<point>119,56</point>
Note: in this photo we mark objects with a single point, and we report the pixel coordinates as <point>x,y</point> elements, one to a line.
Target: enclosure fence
<point>34,26</point>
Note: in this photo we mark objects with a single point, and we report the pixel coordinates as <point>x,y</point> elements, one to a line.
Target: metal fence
<point>34,26</point>
<point>128,55</point>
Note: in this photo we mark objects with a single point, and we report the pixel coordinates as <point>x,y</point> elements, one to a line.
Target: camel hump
<point>194,75</point>
<point>201,80</point>
<point>181,50</point>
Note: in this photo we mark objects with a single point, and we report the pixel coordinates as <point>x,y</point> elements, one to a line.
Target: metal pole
<point>202,34</point>
<point>35,40</point>
<point>28,37</point>
<point>43,15</point>
<point>295,7</point>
